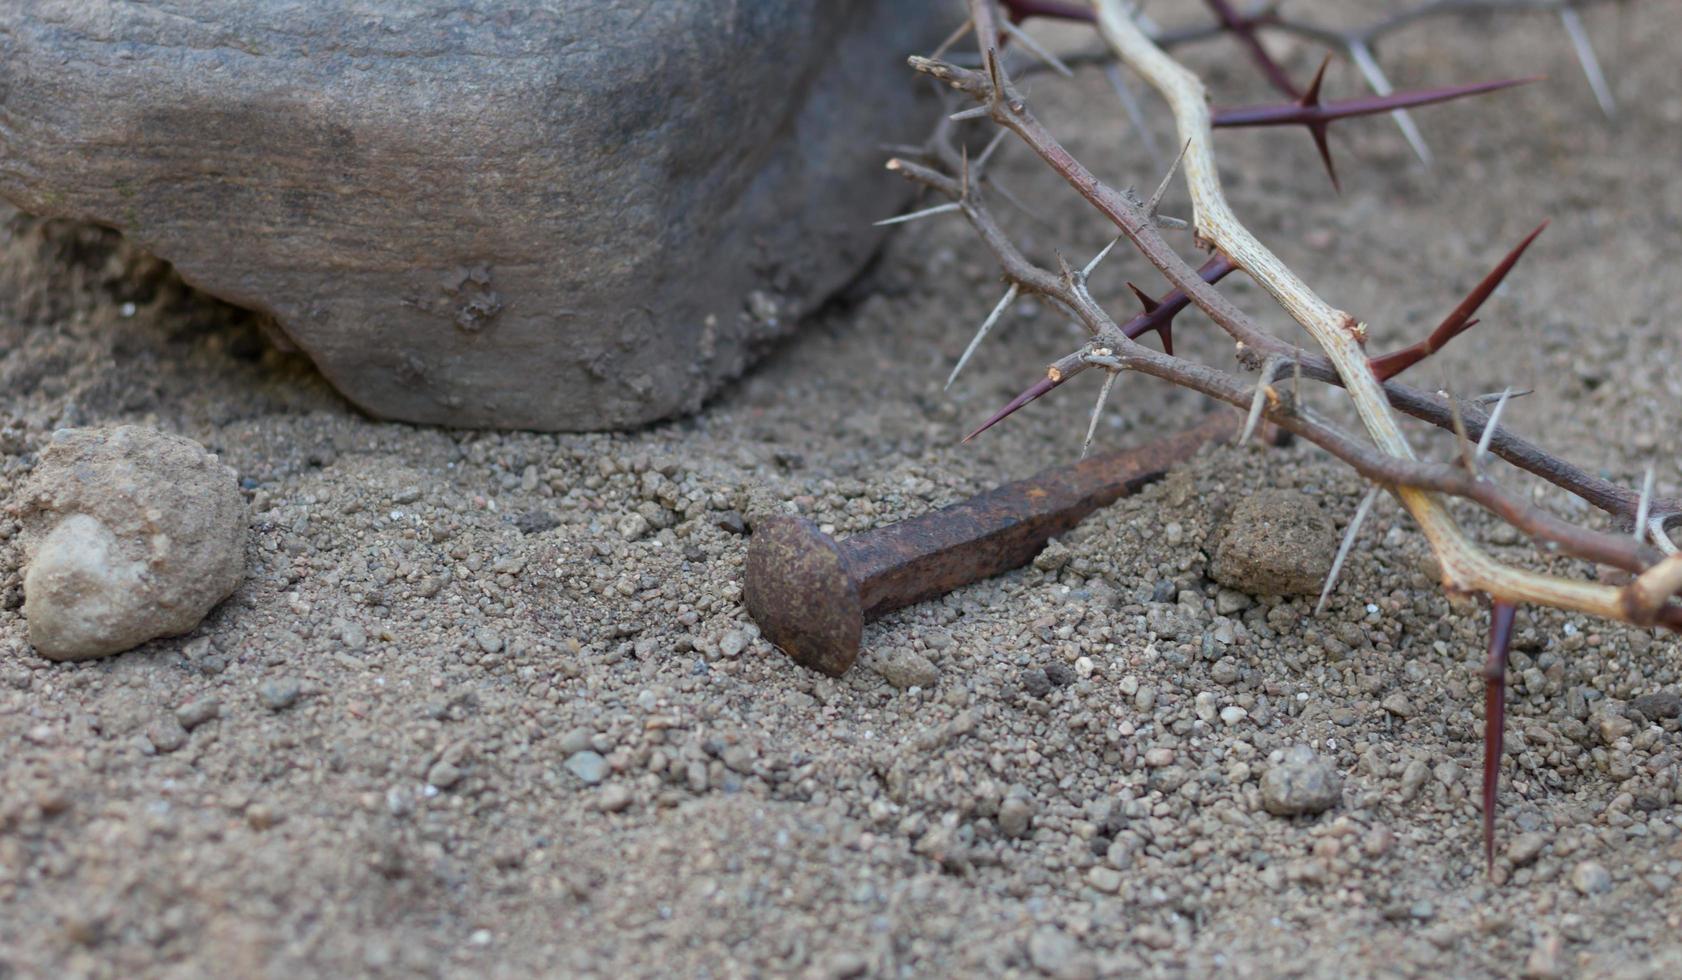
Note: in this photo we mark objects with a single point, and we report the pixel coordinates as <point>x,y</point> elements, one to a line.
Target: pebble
<point>1545,961</point>
<point>577,740</point>
<point>733,643</point>
<point>1525,848</point>
<point>280,693</point>
<point>1611,727</point>
<point>489,640</point>
<point>633,526</point>
<point>1300,783</point>
<point>1016,814</point>
<point>588,766</point>
<point>198,711</point>
<point>1229,601</point>
<point>1105,879</point>
<point>131,534</point>
<point>1205,707</point>
<point>443,775</point>
<point>1591,878</point>
<point>1659,705</point>
<point>1232,714</point>
<point>1398,705</point>
<point>1057,955</point>
<point>166,734</point>
<point>906,668</point>
<point>613,798</point>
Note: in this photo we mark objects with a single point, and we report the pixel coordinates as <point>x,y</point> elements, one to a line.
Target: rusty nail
<point>811,595</point>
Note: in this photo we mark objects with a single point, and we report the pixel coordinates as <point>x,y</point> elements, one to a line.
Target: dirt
<point>489,704</point>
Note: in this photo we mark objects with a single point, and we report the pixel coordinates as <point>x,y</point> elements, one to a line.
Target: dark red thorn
<point>1159,314</point>
<point>1297,113</point>
<point>1311,96</point>
<point>1038,388</point>
<point>1244,29</point>
<point>1318,116</point>
<point>1144,298</point>
<point>1458,321</point>
<point>1494,717</point>
<point>1020,10</point>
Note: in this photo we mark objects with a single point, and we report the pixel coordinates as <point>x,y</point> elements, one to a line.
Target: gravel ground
<point>489,704</point>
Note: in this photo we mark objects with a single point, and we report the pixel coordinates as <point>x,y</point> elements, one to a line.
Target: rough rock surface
<point>571,215</point>
<point>1300,782</point>
<point>130,534</point>
<point>1277,542</point>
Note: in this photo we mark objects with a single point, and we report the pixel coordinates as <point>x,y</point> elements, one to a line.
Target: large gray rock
<point>129,534</point>
<point>565,214</point>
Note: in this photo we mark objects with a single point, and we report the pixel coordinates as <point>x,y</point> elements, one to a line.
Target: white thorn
<point>1263,383</point>
<point>986,325</point>
<point>1645,506</point>
<point>1489,426</point>
<point>1099,258</point>
<point>913,216</point>
<point>1368,66</point>
<point>1495,396</point>
<point>1039,52</point>
<point>1573,22</point>
<point>1097,410</point>
<point>952,39</point>
<point>1344,547</point>
<point>987,153</point>
<point>975,113</point>
<point>1135,113</point>
<point>1661,537</point>
<point>1162,188</point>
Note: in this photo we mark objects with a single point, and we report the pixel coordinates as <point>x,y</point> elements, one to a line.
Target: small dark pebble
<point>1658,705</point>
<point>1059,675</point>
<point>1035,682</point>
<point>731,521</point>
<point>1165,591</point>
<point>280,694</point>
<point>536,522</point>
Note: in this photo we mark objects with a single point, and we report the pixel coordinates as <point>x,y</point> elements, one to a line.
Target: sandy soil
<point>531,730</point>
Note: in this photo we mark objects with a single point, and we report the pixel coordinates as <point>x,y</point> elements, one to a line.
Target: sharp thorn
<point>1039,52</point>
<point>987,152</point>
<point>913,216</point>
<point>1150,305</point>
<point>1264,386</point>
<point>1344,548</point>
<point>986,325</point>
<point>1492,397</point>
<point>1034,391</point>
<point>1573,22</point>
<point>1162,188</point>
<point>1099,258</point>
<point>1462,440</point>
<point>1661,537</point>
<point>1367,65</point>
<point>1311,95</point>
<point>1097,410</point>
<point>1458,321</point>
<point>1643,507</point>
<point>1319,134</point>
<point>975,112</point>
<point>1135,112</point>
<point>1489,427</point>
<point>952,39</point>
<point>1494,717</point>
